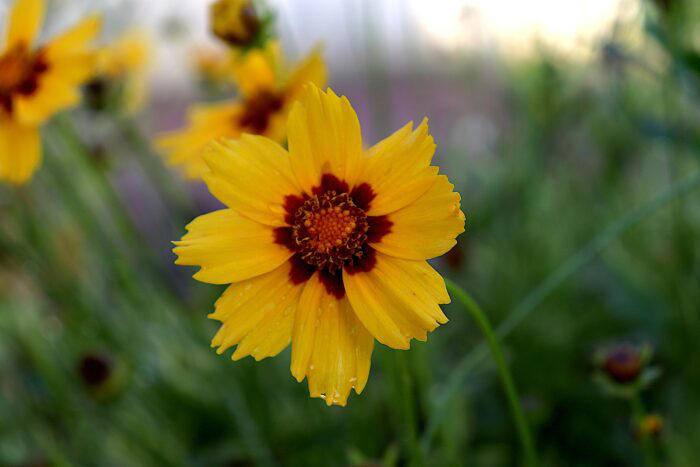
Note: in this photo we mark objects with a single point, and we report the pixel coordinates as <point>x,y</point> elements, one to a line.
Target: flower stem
<point>551,283</point>
<point>503,371</point>
<point>408,408</point>
<point>639,413</point>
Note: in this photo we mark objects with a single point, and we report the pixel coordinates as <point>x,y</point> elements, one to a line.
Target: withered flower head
<point>94,369</point>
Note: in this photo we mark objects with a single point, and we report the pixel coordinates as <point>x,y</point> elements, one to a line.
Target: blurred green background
<point>579,174</point>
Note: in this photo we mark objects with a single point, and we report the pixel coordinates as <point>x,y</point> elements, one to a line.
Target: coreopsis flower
<point>122,70</point>
<point>651,425</point>
<point>623,363</point>
<point>623,369</point>
<point>94,369</point>
<point>215,67</point>
<point>36,82</point>
<point>324,245</point>
<point>235,22</point>
<point>101,374</point>
<point>267,91</point>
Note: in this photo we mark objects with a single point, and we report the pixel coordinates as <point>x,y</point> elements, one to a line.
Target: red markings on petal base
<point>258,111</point>
<point>330,231</point>
<point>19,73</point>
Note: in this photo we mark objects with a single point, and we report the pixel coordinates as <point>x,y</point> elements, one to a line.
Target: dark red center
<point>19,73</point>
<point>257,111</point>
<point>623,363</point>
<point>330,231</point>
<point>94,369</point>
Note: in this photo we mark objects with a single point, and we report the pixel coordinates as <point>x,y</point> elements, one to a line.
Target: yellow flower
<point>235,22</point>
<point>37,82</point>
<point>651,425</point>
<point>217,68</point>
<point>214,65</point>
<point>324,245</point>
<point>124,61</point>
<point>267,93</point>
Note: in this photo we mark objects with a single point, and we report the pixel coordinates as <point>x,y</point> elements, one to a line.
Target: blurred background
<point>571,129</point>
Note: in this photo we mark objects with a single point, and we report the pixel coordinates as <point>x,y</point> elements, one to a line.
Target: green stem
<point>63,135</point>
<point>171,190</point>
<point>547,287</point>
<point>639,413</point>
<point>408,407</point>
<point>503,371</point>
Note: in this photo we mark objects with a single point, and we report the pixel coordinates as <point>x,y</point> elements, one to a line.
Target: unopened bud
<point>94,369</point>
<point>623,363</point>
<point>651,426</point>
<point>235,21</point>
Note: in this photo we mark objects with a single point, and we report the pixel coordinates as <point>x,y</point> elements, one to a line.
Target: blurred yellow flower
<point>235,22</point>
<point>125,62</point>
<point>37,82</point>
<point>651,425</point>
<point>324,245</point>
<point>267,91</point>
<point>214,65</point>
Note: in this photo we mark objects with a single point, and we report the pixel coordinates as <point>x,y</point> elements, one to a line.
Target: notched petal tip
<point>297,373</point>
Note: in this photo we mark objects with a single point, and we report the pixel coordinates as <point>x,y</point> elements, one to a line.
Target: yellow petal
<point>205,123</point>
<point>73,68</point>
<point>56,90</point>
<point>24,22</point>
<point>324,137</point>
<point>229,248</point>
<point>251,175</point>
<point>70,62</point>
<point>76,40</point>
<point>398,168</point>
<point>427,227</point>
<point>257,315</point>
<point>312,69</point>
<point>341,356</point>
<point>129,53</point>
<point>258,70</point>
<point>330,347</point>
<point>20,152</point>
<point>397,300</point>
<point>312,303</point>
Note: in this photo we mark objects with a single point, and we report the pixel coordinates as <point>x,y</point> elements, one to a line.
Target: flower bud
<point>235,22</point>
<point>651,426</point>
<point>94,369</point>
<point>103,376</point>
<point>623,363</point>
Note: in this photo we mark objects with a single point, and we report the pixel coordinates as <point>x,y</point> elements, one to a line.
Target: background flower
<point>36,81</point>
<point>267,89</point>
